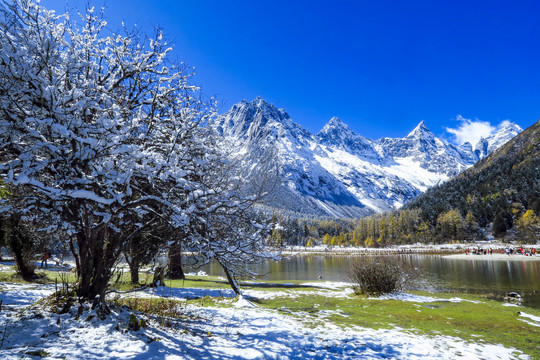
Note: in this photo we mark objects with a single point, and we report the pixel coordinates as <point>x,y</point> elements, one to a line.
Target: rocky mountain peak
<point>421,131</point>
<point>338,135</point>
<point>335,129</point>
<point>259,119</point>
<point>261,108</point>
<point>506,131</point>
<point>508,126</point>
<point>335,123</point>
<point>481,148</point>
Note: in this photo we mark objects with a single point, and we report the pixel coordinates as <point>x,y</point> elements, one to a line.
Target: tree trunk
<point>21,245</point>
<point>25,269</point>
<point>175,261</point>
<point>158,277</point>
<point>75,255</point>
<point>134,269</point>
<point>98,251</point>
<point>231,280</point>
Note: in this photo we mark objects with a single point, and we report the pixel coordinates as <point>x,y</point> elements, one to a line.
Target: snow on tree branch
<point>101,132</point>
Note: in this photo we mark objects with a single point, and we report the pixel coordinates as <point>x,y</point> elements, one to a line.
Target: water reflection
<point>437,273</point>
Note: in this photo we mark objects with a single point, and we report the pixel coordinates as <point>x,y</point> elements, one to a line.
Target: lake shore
<point>351,250</point>
<point>456,251</point>
<point>493,257</point>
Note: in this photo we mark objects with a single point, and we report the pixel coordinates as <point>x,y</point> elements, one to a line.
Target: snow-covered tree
<point>103,137</point>
<point>99,130</point>
<point>225,225</point>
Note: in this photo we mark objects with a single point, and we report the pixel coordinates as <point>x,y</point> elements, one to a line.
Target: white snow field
<point>243,331</point>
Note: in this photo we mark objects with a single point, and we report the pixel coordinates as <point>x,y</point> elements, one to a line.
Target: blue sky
<point>381,66</point>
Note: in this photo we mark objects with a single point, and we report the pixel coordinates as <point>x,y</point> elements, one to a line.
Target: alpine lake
<point>475,274</point>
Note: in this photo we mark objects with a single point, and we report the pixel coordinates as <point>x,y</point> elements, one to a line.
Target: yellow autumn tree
<point>369,242</point>
<point>528,226</point>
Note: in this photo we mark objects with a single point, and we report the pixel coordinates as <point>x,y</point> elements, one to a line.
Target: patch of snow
<point>244,302</point>
<point>418,298</point>
<point>421,178</point>
<point>334,285</point>
<point>23,295</point>
<point>511,305</point>
<point>535,320</point>
<point>325,289</point>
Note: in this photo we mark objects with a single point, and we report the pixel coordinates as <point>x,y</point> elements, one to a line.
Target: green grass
<point>485,321</point>
<point>58,276</point>
<point>476,319</point>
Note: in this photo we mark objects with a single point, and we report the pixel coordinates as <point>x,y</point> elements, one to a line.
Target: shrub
<point>377,276</point>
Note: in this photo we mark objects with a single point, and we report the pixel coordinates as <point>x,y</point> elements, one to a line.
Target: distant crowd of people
<point>507,250</point>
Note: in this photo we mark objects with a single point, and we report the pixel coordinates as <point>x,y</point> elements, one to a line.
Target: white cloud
<point>471,131</point>
<point>505,123</point>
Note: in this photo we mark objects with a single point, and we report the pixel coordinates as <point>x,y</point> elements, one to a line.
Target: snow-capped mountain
<point>338,172</point>
<point>337,134</point>
<point>505,132</point>
<point>429,152</point>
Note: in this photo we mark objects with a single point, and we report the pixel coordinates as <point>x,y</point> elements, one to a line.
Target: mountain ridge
<point>337,172</point>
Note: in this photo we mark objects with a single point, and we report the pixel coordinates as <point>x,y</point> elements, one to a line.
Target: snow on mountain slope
<point>428,151</point>
<point>340,173</point>
<point>338,135</point>
<point>506,132</point>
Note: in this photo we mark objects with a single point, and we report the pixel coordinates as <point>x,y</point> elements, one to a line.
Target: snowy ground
<point>243,331</point>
